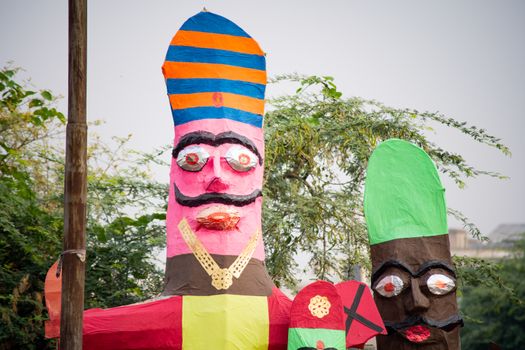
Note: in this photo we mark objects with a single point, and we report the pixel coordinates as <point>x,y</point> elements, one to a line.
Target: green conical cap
<point>404,197</point>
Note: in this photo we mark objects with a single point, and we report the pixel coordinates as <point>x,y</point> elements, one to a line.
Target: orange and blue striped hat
<point>215,70</point>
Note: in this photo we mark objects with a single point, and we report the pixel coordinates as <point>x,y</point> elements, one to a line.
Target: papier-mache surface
<point>216,77</point>
<point>404,197</point>
<point>215,70</point>
<point>193,184</point>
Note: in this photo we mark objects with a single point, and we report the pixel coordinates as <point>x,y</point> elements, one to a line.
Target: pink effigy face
<point>216,185</point>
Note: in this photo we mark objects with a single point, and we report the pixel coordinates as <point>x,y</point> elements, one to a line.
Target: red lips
<point>218,217</point>
<point>417,334</point>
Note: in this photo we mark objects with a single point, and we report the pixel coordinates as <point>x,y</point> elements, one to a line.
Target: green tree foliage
<point>317,147</point>
<point>125,216</point>
<point>491,315</point>
<point>30,230</point>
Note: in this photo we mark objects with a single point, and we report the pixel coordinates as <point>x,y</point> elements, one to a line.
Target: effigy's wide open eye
<point>389,286</point>
<point>440,284</point>
<point>192,158</point>
<point>240,158</point>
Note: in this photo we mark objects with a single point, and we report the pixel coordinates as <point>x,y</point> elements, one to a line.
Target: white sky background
<point>465,59</point>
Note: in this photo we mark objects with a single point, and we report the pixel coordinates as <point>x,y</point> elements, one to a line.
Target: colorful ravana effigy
<point>218,294</point>
<point>413,276</point>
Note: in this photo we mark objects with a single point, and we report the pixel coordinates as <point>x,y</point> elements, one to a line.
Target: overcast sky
<point>465,59</point>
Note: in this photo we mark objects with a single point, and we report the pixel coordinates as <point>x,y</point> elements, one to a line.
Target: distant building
<point>498,246</point>
<point>507,234</point>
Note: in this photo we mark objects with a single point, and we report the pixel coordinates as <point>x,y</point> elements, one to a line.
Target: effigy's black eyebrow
<point>429,265</point>
<point>211,139</point>
<point>387,264</point>
<point>435,264</point>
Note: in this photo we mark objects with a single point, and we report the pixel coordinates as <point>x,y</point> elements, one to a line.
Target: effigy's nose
<point>217,185</point>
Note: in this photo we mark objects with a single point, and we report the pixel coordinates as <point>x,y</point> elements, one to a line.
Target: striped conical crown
<point>215,70</point>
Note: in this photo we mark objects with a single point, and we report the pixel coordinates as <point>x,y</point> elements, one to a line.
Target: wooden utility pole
<point>75,185</point>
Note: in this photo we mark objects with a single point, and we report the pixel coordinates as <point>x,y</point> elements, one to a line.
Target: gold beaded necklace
<point>220,278</point>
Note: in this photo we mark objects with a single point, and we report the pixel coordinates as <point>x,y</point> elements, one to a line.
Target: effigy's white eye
<point>240,158</point>
<point>389,286</point>
<point>440,284</point>
<point>192,158</point>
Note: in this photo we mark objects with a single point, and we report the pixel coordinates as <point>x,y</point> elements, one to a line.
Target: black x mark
<point>353,315</point>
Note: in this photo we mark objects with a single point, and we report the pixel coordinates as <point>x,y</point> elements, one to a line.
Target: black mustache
<point>215,197</point>
<point>446,325</point>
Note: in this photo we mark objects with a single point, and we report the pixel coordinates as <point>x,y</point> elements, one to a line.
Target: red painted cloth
<point>158,325</point>
<point>361,316</point>
<point>279,306</point>
<point>302,316</point>
<point>155,325</point>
